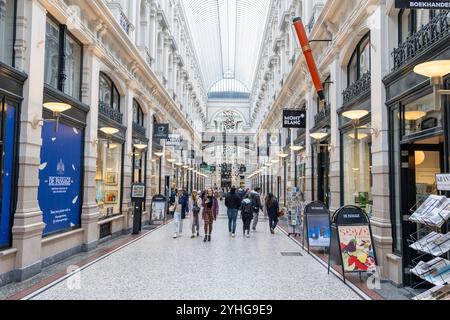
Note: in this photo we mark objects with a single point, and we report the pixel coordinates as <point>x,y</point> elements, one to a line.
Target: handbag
<point>172,209</point>
<point>280,213</point>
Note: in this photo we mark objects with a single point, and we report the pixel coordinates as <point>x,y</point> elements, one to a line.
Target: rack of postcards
<point>295,205</point>
<point>432,244</point>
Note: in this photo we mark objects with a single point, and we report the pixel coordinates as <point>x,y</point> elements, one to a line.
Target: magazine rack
<point>432,215</point>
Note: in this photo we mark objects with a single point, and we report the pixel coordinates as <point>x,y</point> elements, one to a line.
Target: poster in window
<point>356,248</point>
<point>60,177</point>
<point>111,179</point>
<point>111,197</point>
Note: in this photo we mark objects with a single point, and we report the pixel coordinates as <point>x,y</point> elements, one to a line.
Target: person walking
<point>210,210</point>
<point>272,208</point>
<point>257,206</point>
<point>178,207</point>
<point>233,204</point>
<point>184,204</point>
<point>195,205</point>
<point>247,214</point>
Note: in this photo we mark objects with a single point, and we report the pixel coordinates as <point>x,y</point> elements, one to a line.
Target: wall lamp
<point>57,108</point>
<point>109,132</point>
<point>356,116</point>
<point>435,70</point>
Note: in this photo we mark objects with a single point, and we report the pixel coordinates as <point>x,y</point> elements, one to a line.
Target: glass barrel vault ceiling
<point>227,36</point>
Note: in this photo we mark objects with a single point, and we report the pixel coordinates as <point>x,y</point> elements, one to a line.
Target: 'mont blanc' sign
<point>443,182</point>
<point>294,118</point>
<point>436,4</point>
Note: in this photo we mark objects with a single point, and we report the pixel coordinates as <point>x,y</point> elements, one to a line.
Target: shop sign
<point>161,131</point>
<point>60,177</point>
<point>137,191</point>
<point>274,139</point>
<point>409,4</point>
<point>174,140</point>
<point>294,118</point>
<point>443,182</point>
<point>317,217</point>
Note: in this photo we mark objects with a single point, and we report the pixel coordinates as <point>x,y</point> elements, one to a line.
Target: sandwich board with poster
<point>317,224</point>
<point>158,209</point>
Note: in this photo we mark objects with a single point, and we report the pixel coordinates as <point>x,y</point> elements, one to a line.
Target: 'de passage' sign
<point>294,119</point>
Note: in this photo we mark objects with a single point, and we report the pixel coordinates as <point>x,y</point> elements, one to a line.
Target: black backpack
<point>247,209</point>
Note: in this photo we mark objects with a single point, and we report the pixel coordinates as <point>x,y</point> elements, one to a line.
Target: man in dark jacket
<point>257,206</point>
<point>233,203</point>
<point>184,201</point>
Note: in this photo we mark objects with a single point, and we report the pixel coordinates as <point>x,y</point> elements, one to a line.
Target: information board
<point>317,217</point>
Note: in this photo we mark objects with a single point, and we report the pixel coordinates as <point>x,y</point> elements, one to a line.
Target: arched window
<point>359,63</point>
<point>108,93</point>
<point>138,114</point>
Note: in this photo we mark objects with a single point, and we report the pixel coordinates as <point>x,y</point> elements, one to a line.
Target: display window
<point>109,178</point>
<point>60,175</point>
<point>7,145</point>
<point>7,26</point>
<point>421,115</point>
<point>357,168</point>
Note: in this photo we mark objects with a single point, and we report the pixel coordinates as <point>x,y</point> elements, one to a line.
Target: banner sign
<point>60,177</point>
<point>274,139</point>
<point>294,118</point>
<point>174,140</point>
<point>317,218</point>
<point>161,131</point>
<point>436,4</point>
<point>443,182</point>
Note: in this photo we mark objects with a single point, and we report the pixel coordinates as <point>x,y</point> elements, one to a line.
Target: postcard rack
<point>431,215</point>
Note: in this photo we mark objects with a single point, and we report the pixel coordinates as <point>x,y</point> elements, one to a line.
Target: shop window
<point>421,115</point>
<point>138,114</point>
<point>108,177</point>
<point>359,63</point>
<point>63,56</point>
<point>396,161</point>
<point>109,95</point>
<point>357,175</point>
<point>7,26</point>
<point>7,145</point>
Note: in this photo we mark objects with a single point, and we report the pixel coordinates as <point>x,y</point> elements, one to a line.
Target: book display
<point>429,241</point>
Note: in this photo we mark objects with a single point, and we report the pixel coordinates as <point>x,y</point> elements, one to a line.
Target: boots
<point>209,238</point>
<point>206,238</point>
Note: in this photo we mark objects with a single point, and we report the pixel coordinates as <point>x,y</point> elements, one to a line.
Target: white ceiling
<point>227,36</point>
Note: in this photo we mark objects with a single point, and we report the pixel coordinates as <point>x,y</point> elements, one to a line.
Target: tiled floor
<point>159,267</point>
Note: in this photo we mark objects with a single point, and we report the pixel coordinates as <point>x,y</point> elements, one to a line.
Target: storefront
<point>419,139</point>
<point>60,192</point>
<point>11,91</point>
<point>110,153</point>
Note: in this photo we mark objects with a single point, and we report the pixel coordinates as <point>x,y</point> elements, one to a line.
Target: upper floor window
<point>326,91</point>
<point>412,20</point>
<point>63,56</point>
<point>138,114</point>
<point>108,93</point>
<point>7,26</point>
<point>359,63</point>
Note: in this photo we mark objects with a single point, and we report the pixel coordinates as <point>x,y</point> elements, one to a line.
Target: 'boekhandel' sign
<point>436,4</point>
<point>294,119</point>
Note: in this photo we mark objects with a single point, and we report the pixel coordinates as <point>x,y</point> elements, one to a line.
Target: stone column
<point>153,34</point>
<point>127,207</point>
<point>381,221</point>
<point>150,171</point>
<point>90,212</point>
<point>28,223</point>
<point>309,190</point>
<point>335,164</point>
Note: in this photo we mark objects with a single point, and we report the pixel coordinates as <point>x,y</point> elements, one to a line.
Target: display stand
<point>317,226</point>
<point>138,198</point>
<point>158,210</point>
<point>351,243</point>
<point>432,243</point>
<point>295,209</point>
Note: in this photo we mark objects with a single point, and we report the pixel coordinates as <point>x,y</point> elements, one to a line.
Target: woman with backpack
<point>247,214</point>
<point>210,212</point>
<point>195,205</point>
<point>272,209</point>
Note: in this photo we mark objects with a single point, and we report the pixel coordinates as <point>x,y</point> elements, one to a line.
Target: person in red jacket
<point>210,213</point>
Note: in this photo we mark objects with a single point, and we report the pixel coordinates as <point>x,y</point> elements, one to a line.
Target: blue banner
<point>8,160</point>
<point>60,177</point>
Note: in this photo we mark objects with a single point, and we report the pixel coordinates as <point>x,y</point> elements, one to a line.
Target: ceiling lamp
<point>361,136</point>
<point>296,148</point>
<point>268,164</point>
<point>275,161</point>
<point>159,154</point>
<point>355,114</point>
<point>319,135</point>
<point>185,166</point>
<point>414,115</point>
<point>171,160</point>
<point>433,69</point>
<point>109,131</point>
<point>140,146</point>
<point>57,107</point>
<point>283,155</point>
<point>179,164</point>
<point>419,157</point>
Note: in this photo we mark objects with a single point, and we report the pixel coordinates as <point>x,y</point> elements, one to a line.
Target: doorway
<point>421,161</point>
<point>323,175</point>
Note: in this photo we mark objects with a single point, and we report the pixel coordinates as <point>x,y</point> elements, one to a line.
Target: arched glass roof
<point>228,88</point>
<point>227,36</point>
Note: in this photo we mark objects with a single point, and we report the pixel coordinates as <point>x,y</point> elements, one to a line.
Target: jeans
<point>247,222</point>
<point>232,219</point>
<point>255,220</point>
<point>178,223</point>
<point>273,222</point>
<point>195,223</point>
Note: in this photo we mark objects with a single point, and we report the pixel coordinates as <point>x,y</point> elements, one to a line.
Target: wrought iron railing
<point>358,88</point>
<point>124,22</point>
<point>429,34</point>
<point>140,130</point>
<point>109,112</point>
<point>321,115</point>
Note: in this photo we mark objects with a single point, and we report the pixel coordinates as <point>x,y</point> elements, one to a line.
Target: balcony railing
<point>109,112</point>
<point>321,115</point>
<point>140,130</point>
<point>358,88</point>
<point>438,28</point>
<point>124,22</point>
